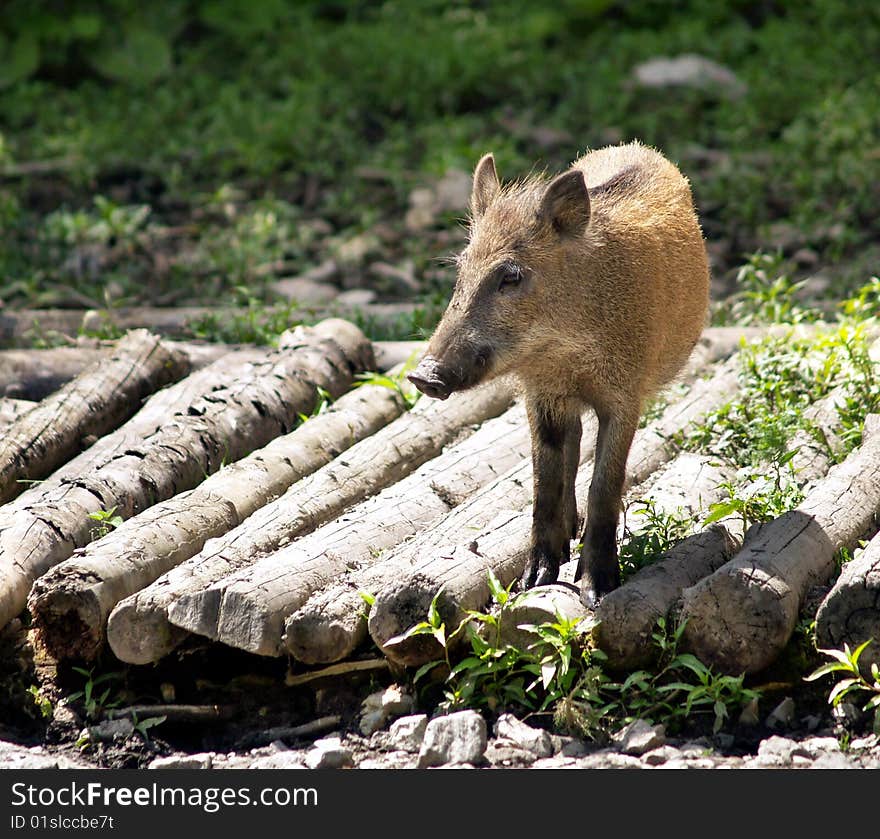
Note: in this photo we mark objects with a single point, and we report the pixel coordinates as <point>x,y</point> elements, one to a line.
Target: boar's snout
<point>428,378</point>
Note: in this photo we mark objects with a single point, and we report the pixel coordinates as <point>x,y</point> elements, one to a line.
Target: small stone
<point>817,746</point>
<point>833,760</point>
<point>407,733</point>
<point>869,742</point>
<point>812,722</point>
<point>607,759</point>
<point>639,737</point>
<point>749,715</point>
<point>506,753</point>
<point>380,705</point>
<point>574,748</point>
<point>661,755</point>
<point>356,297</point>
<point>109,730</point>
<point>396,701</point>
<point>372,721</point>
<point>328,753</point>
<point>304,291</point>
<point>534,740</point>
<point>196,761</point>
<point>65,716</point>
<point>279,760</point>
<point>688,70</point>
<point>13,756</point>
<point>782,715</point>
<point>724,741</point>
<point>847,713</point>
<point>354,251</point>
<point>454,738</point>
<point>778,751</point>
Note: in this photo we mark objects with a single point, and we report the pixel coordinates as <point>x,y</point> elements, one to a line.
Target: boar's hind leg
<point>556,433</point>
<point>597,567</point>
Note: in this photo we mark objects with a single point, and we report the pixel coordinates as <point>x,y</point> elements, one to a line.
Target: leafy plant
<point>107,520</point>
<point>95,702</point>
<point>656,533</point>
<point>323,402</point>
<point>846,662</point>
<point>143,726</point>
<point>41,701</point>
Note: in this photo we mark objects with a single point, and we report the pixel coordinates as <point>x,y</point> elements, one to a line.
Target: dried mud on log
<point>459,573</point>
<point>44,526</point>
<point>332,623</point>
<point>740,617</point>
<point>139,630</point>
<point>850,613</point>
<point>99,399</point>
<point>82,590</point>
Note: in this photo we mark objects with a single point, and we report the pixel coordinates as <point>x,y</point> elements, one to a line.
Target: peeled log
<point>82,590</point>
<point>139,630</point>
<point>12,409</point>
<point>34,374</point>
<point>332,624</point>
<point>740,618</point>
<point>249,608</point>
<point>850,613</point>
<point>459,573</point>
<point>99,399</point>
<point>224,423</point>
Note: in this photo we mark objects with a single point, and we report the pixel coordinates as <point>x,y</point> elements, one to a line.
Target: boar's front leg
<point>556,434</point>
<point>598,568</point>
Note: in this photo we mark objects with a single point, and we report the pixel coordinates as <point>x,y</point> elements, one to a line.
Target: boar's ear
<point>566,204</point>
<point>486,185</point>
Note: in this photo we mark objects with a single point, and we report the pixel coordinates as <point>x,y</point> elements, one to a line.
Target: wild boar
<point>591,288</point>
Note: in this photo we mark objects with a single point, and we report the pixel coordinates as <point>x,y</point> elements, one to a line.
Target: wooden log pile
<point>248,522</point>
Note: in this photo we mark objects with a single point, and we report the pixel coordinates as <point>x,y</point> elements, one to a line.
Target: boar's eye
<point>508,277</point>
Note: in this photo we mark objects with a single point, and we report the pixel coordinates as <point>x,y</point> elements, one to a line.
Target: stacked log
<point>139,630</point>
<point>225,422</point>
<point>100,398</point>
<point>82,591</point>
<point>740,617</point>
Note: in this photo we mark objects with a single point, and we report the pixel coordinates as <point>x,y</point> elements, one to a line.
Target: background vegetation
<point>193,151</point>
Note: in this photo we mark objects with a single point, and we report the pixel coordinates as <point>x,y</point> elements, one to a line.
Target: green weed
<point>95,702</point>
<point>107,520</point>
<point>846,663</point>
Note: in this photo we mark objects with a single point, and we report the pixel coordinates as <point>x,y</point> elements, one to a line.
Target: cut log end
<point>138,638</point>
<point>328,634</point>
<point>411,605</point>
<point>66,625</point>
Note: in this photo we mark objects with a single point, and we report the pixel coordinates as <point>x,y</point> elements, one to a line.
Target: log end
<point>68,621</point>
<point>402,606</point>
<point>739,619</point>
<point>322,636</point>
<point>140,636</point>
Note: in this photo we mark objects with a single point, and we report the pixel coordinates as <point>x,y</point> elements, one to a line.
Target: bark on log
<point>82,590</point>
<point>741,617</point>
<point>103,396</point>
<point>18,326</point>
<point>12,409</point>
<point>460,573</point>
<point>139,630</point>
<point>331,625</point>
<point>224,424</point>
<point>850,613</point>
<point>248,609</point>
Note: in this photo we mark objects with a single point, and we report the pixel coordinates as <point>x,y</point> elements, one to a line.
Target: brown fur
<point>613,297</point>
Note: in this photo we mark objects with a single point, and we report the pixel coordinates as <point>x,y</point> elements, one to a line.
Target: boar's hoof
<point>541,570</point>
<point>596,585</point>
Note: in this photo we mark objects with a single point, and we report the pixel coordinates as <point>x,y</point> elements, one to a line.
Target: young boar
<point>592,289</point>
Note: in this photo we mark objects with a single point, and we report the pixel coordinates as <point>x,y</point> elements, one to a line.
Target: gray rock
<point>356,297</point>
<point>381,705</point>
<point>506,753</point>
<point>13,756</point>
<point>607,759</point>
<point>372,721</point>
<point>782,715</point>
<point>778,751</point>
<point>450,194</point>
<point>817,746</point>
<point>534,740</point>
<point>305,291</point>
<point>639,737</point>
<point>688,70</point>
<point>454,738</point>
<point>407,733</point>
<point>279,760</point>
<point>661,755</point>
<point>872,741</point>
<point>834,760</point>
<point>328,753</point>
<point>847,713</point>
<point>203,760</point>
<point>109,730</point>
<point>572,747</point>
<point>390,760</point>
